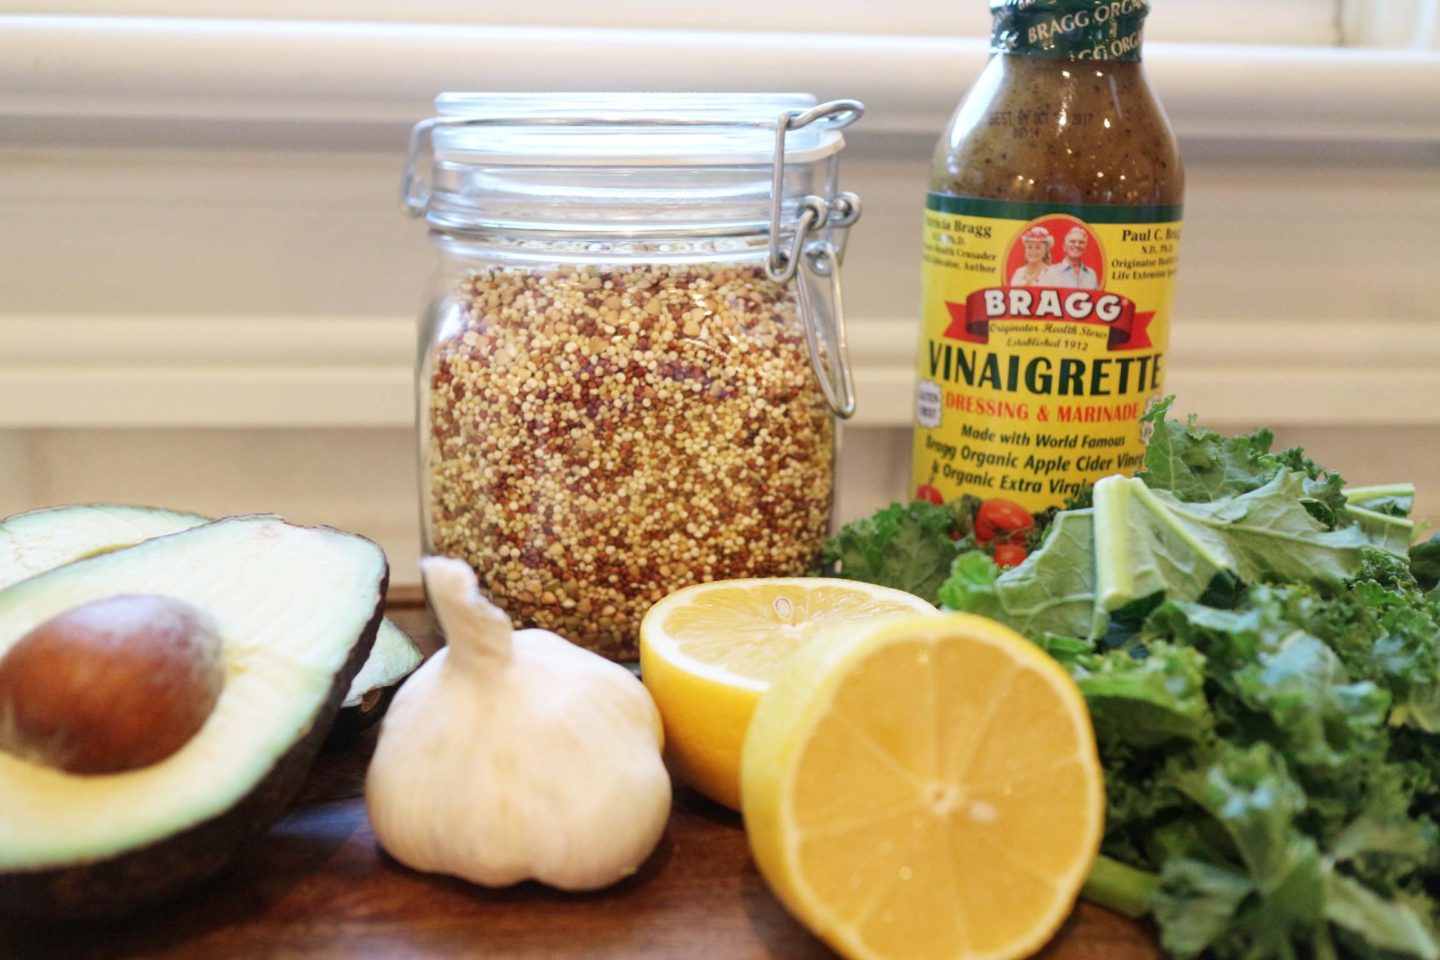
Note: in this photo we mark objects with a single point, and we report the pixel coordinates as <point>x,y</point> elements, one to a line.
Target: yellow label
<point>1042,343</point>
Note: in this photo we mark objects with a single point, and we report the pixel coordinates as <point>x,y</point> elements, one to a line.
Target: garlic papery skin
<point>516,755</point>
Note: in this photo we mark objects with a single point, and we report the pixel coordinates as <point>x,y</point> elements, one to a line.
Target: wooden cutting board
<point>317,886</point>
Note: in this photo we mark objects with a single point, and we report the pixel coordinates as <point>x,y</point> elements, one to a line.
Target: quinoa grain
<point>599,437</point>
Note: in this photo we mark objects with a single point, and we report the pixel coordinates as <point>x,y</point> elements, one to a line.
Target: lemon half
<point>708,652</point>
<point>926,787</point>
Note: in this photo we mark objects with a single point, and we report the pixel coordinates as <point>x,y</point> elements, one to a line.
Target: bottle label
<point>1042,343</point>
<point>1069,29</point>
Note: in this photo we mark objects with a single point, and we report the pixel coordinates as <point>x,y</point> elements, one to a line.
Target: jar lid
<point>626,129</point>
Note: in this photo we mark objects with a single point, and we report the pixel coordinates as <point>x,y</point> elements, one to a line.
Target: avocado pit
<point>112,685</point>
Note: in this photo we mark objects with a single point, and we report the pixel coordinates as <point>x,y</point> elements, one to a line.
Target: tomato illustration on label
<point>1009,555</point>
<point>1002,520</point>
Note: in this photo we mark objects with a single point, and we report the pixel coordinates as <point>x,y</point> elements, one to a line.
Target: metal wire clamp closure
<point>827,340</point>
<point>822,257</point>
<point>815,213</point>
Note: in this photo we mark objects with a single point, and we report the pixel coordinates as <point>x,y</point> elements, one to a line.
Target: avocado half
<point>297,609</point>
<point>41,540</point>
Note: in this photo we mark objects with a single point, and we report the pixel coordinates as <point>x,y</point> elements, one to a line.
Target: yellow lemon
<point>707,653</point>
<point>926,787</point>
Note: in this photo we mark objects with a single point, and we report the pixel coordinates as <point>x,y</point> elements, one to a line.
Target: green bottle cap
<point>1069,29</point>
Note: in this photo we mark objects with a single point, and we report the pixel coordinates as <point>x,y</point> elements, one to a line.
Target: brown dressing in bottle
<point>1051,236</point>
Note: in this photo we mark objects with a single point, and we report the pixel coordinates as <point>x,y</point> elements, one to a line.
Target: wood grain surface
<point>318,886</point>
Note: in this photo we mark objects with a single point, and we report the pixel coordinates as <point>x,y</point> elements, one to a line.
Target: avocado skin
<point>355,720</point>
<point>128,882</point>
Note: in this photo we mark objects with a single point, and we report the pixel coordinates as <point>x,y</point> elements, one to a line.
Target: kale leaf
<point>1425,562</point>
<point>908,547</point>
<point>1052,592</point>
<point>1196,464</point>
<point>1138,546</point>
<point>1149,699</point>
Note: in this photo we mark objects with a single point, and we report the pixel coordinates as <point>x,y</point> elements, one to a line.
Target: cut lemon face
<point>924,788</point>
<point>708,652</point>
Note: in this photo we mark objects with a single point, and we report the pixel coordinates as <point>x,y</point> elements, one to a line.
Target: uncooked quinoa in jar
<point>602,435</point>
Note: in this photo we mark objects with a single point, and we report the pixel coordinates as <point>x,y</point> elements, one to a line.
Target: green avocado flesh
<point>41,540</point>
<point>297,609</point>
<point>395,657</point>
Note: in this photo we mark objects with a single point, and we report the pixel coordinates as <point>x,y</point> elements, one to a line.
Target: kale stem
<point>1359,495</point>
<point>1119,887</point>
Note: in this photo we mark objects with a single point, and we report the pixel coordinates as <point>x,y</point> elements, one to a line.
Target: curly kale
<point>907,547</point>
<point>1259,648</point>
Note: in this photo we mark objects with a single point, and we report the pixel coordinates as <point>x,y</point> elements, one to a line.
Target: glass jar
<point>633,357</point>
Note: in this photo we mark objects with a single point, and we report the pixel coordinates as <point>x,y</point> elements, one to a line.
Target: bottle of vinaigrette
<point>1051,231</point>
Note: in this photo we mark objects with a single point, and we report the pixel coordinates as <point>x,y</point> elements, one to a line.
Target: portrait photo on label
<point>1056,251</point>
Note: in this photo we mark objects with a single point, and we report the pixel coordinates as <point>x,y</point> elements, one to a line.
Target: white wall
<point>203,306</point>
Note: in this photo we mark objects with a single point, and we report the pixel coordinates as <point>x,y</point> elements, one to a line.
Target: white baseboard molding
<point>212,372</point>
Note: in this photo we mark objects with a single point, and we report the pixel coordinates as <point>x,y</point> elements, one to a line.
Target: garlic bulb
<point>515,755</point>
